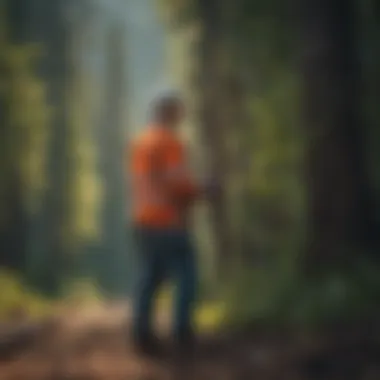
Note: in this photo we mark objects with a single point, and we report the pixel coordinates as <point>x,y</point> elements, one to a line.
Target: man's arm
<point>179,179</point>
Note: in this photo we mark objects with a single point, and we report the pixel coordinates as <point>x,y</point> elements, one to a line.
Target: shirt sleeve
<point>177,172</point>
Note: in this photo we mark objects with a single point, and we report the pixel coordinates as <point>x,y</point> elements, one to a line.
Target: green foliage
<point>275,208</point>
<point>209,315</point>
<point>81,292</point>
<point>16,300</point>
<point>338,297</point>
<point>261,287</point>
<point>267,27</point>
<point>25,129</point>
<point>28,123</point>
<point>177,13</point>
<point>262,38</point>
<point>283,297</point>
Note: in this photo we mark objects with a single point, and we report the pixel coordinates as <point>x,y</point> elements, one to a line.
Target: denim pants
<point>164,255</point>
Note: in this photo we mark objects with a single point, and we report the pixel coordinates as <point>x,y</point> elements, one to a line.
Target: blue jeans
<point>164,255</point>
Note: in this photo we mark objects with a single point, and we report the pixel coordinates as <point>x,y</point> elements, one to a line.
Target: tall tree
<point>13,234</point>
<point>341,209</point>
<point>112,269</point>
<point>213,127</point>
<point>54,35</point>
<point>26,118</point>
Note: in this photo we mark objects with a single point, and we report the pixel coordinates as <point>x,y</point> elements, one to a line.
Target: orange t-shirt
<point>161,185</point>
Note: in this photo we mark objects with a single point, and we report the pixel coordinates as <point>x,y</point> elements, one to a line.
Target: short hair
<point>166,100</point>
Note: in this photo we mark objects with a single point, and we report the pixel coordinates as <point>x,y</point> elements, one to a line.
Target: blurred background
<point>283,110</point>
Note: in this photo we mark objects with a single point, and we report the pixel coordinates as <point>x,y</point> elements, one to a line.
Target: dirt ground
<point>95,345</point>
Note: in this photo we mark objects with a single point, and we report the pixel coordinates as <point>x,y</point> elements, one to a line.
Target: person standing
<point>163,192</point>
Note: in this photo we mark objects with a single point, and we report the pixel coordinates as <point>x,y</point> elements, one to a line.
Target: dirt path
<point>94,345</point>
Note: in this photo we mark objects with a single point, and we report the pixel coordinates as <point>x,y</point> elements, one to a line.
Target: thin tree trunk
<point>113,269</point>
<point>13,237</point>
<point>212,125</point>
<point>45,25</point>
<point>55,70</point>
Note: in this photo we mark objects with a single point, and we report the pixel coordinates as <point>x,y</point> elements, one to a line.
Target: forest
<point>283,111</point>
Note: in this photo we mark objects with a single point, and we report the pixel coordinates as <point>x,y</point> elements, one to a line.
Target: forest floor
<point>94,344</point>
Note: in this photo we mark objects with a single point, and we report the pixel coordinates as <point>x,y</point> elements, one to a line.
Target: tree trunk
<point>113,276</point>
<point>340,204</point>
<point>14,232</point>
<point>212,123</point>
<point>54,34</point>
<point>13,242</point>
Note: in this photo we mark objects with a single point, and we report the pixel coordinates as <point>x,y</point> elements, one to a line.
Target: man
<point>162,193</point>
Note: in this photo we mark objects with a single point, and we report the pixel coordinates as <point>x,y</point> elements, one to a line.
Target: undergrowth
<point>289,299</point>
<point>17,300</point>
<point>276,297</point>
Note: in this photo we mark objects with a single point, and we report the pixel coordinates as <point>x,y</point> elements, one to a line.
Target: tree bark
<point>212,124</point>
<point>14,232</point>
<point>113,276</point>
<point>340,206</point>
<point>53,34</point>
